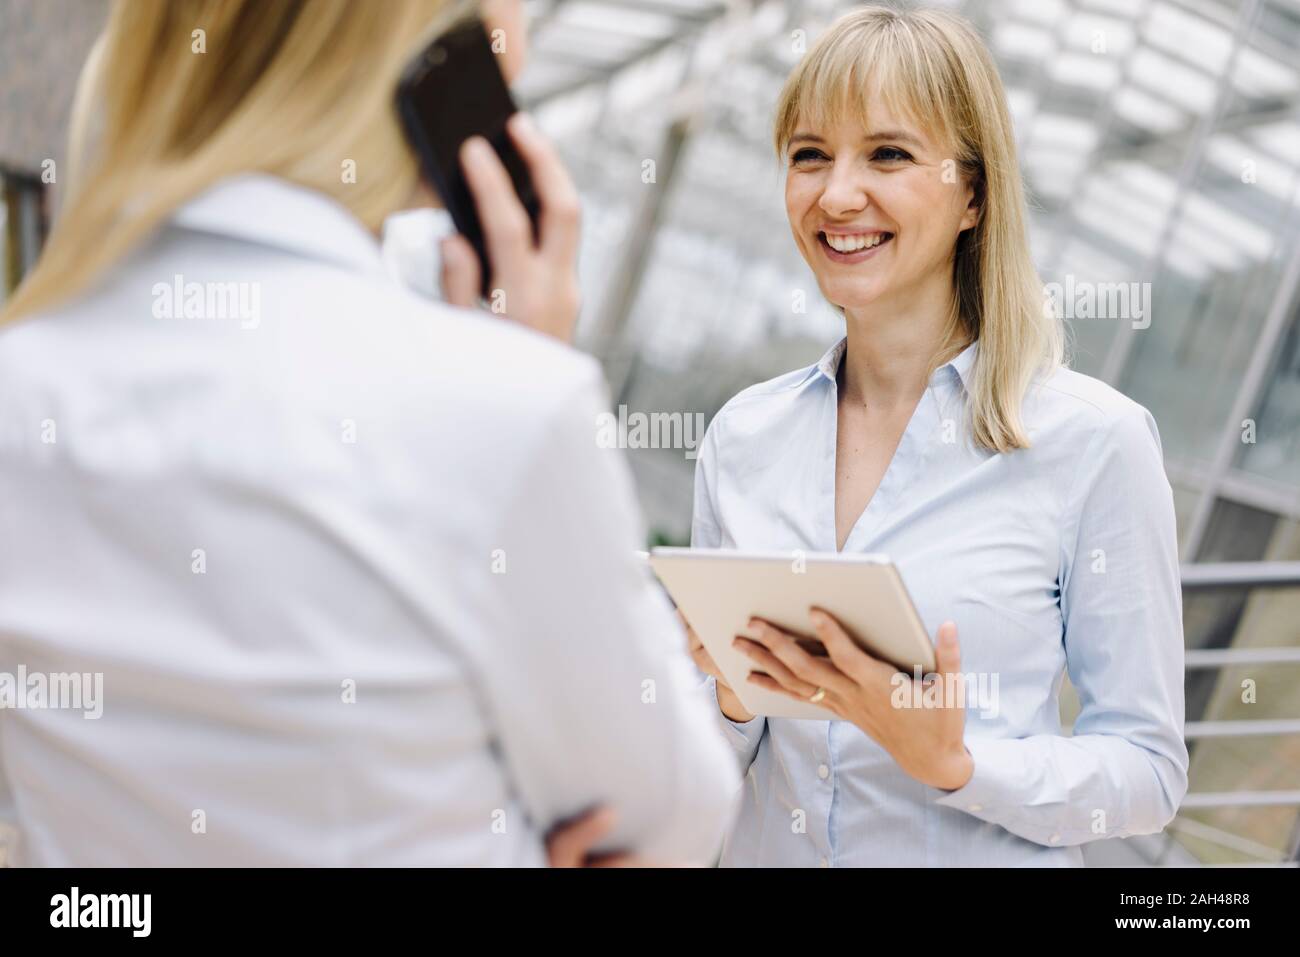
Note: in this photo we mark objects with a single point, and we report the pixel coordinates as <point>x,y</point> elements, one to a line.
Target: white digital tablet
<point>719,590</point>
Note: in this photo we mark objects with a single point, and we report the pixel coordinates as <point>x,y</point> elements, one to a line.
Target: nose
<point>845,191</point>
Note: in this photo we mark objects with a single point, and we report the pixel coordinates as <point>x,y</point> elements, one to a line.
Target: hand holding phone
<point>514,206</point>
<point>533,282</point>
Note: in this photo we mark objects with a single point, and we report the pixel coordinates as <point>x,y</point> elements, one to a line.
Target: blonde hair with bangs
<point>931,67</point>
<point>292,88</point>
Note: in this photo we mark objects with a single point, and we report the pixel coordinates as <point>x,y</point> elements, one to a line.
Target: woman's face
<point>875,212</point>
<point>511,44</point>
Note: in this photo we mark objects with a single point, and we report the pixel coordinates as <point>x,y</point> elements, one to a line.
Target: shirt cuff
<point>992,786</point>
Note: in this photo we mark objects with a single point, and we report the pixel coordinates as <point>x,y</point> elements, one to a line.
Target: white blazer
<point>357,578</point>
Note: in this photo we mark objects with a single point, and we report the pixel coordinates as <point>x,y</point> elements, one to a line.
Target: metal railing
<point>1238,576</point>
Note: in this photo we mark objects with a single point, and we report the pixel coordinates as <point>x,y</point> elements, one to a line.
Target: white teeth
<point>851,244</point>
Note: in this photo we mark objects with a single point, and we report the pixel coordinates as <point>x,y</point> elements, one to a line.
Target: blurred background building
<point>1160,141</point>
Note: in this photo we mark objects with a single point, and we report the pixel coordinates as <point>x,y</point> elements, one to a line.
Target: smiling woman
<point>899,120</point>
<point>1024,504</point>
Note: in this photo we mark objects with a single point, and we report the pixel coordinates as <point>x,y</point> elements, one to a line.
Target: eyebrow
<point>896,135</point>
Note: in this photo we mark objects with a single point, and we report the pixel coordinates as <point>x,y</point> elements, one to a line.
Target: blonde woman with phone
<point>322,539</point>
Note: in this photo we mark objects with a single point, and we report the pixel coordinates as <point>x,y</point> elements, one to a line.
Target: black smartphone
<point>450,92</point>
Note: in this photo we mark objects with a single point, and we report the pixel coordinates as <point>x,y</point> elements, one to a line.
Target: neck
<point>892,347</point>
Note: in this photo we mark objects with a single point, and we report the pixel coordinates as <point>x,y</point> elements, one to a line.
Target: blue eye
<point>807,154</point>
<point>892,154</point>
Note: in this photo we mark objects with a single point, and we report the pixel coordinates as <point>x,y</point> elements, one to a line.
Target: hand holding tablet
<point>720,591</point>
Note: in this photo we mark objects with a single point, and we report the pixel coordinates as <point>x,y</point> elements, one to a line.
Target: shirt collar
<point>829,364</point>
<point>962,364</point>
<point>264,209</point>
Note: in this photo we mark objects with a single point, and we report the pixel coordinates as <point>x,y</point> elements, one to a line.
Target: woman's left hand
<point>925,741</point>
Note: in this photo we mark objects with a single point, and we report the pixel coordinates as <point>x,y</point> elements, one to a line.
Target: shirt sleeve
<point>1124,770</point>
<point>706,532</point>
<point>593,694</point>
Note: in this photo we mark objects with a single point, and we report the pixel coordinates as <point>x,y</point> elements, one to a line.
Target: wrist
<point>730,705</point>
<point>956,771</point>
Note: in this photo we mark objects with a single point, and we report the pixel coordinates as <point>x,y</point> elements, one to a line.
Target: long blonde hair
<point>189,92</point>
<point>932,67</point>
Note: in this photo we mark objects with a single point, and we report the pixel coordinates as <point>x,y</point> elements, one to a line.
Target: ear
<point>970,217</point>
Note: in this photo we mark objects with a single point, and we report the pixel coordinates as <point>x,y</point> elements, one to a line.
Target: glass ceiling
<point>1137,120</point>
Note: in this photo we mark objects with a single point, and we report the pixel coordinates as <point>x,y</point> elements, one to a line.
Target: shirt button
<point>825,863</point>
<point>976,807</point>
<point>1055,839</point>
<point>823,771</point>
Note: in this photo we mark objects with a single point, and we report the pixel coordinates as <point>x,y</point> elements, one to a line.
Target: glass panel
<point>1218,275</point>
<point>1185,499</point>
<point>1275,451</point>
<point>1211,617</point>
<point>1221,267</point>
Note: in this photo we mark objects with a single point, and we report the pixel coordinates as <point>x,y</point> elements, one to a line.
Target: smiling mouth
<point>853,246</point>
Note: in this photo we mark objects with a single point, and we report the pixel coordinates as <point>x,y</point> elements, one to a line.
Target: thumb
<point>569,844</point>
<point>947,652</point>
<point>460,272</point>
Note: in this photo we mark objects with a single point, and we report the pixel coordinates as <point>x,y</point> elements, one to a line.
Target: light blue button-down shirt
<point>1061,557</point>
